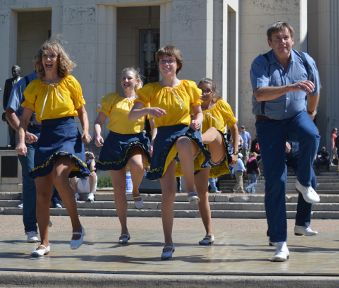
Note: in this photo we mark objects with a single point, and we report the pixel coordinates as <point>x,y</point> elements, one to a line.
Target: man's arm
<point>271,93</point>
<point>312,104</point>
<point>12,119</point>
<point>7,92</point>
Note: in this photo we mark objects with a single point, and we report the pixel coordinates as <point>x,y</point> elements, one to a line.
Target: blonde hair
<point>65,64</point>
<point>136,72</point>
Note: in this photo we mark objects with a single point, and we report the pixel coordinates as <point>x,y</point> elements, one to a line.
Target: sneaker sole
<point>279,259</point>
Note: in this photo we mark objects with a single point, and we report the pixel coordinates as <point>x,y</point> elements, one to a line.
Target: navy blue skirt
<point>118,148</point>
<point>165,139</point>
<point>59,138</point>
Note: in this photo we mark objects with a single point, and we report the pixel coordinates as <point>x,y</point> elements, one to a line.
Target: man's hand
<point>305,85</point>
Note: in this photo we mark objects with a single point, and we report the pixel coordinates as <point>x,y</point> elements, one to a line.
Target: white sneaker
<point>309,194</point>
<point>281,252</point>
<point>304,231</point>
<point>90,197</point>
<point>77,197</point>
<point>138,202</point>
<point>193,198</point>
<point>21,205</point>
<point>58,205</point>
<point>32,237</point>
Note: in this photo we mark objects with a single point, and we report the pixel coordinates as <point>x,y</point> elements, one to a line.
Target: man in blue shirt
<point>286,90</point>
<point>13,112</point>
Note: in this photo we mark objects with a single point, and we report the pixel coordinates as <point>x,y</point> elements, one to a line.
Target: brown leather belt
<point>263,118</point>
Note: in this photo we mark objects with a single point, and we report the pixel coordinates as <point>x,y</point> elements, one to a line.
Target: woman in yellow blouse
<point>171,101</point>
<point>56,98</point>
<point>125,146</point>
<point>218,116</point>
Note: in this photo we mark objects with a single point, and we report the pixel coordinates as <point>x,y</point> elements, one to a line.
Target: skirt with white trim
<point>59,138</point>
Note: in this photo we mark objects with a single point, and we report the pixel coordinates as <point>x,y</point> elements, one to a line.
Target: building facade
<point>219,39</point>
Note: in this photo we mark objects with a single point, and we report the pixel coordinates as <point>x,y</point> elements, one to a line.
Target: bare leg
<point>137,172</point>
<point>93,180</point>
<point>119,186</point>
<point>201,181</point>
<point>44,188</point>
<point>62,169</point>
<point>215,142</point>
<point>168,188</point>
<point>186,150</point>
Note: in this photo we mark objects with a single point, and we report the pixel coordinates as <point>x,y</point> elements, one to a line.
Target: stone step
<point>107,196</point>
<point>241,214</point>
<point>104,195</point>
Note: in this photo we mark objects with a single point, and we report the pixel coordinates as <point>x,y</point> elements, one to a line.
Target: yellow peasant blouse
<point>54,100</point>
<point>116,109</point>
<point>219,116</point>
<point>177,101</point>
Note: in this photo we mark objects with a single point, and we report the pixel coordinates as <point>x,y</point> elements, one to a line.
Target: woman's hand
<point>99,141</point>
<point>234,159</point>
<point>86,138</point>
<point>156,111</point>
<point>195,124</point>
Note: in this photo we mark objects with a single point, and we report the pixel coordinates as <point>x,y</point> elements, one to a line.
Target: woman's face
<point>50,61</point>
<point>207,92</point>
<point>128,80</point>
<point>167,66</point>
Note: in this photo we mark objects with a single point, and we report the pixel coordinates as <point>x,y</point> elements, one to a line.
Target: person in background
<point>126,147</point>
<point>239,170</point>
<point>86,185</point>
<point>253,172</point>
<point>56,98</point>
<point>246,145</point>
<point>13,112</point>
<point>9,84</point>
<point>334,150</point>
<point>286,89</point>
<point>323,159</point>
<point>212,183</point>
<point>171,102</point>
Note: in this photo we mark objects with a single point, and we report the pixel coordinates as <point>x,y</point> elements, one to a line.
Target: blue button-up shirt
<point>269,72</point>
<point>17,95</point>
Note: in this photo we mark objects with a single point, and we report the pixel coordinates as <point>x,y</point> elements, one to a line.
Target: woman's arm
<point>235,142</point>
<point>101,118</point>
<point>197,117</point>
<point>139,110</point>
<point>83,117</point>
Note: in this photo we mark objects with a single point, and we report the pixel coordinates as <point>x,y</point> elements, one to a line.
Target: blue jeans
<point>304,209</point>
<point>252,182</point>
<point>213,184</point>
<point>28,189</point>
<point>272,137</point>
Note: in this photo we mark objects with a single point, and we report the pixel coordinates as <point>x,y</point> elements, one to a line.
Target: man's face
<point>281,42</point>
<point>15,71</point>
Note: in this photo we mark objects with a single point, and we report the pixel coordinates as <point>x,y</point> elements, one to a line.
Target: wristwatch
<point>312,113</point>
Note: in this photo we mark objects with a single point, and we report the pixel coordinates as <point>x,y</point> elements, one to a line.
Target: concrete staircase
<point>224,205</point>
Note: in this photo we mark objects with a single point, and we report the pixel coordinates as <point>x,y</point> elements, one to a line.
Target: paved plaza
<point>240,255</point>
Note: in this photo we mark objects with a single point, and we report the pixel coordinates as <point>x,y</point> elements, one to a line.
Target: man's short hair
<point>277,27</point>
